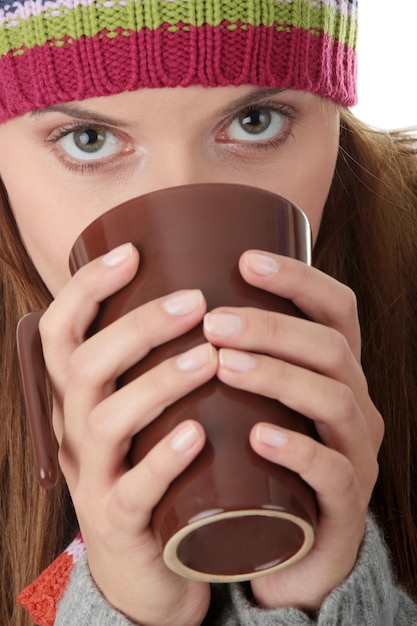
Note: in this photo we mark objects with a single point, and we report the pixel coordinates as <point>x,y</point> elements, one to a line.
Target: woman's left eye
<point>88,143</point>
<point>256,125</point>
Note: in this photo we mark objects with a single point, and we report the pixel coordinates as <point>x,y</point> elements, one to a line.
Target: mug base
<point>235,546</point>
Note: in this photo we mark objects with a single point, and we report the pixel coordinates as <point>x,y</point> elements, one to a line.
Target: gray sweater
<point>368,597</point>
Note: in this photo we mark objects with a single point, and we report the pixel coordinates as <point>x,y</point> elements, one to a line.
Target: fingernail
<point>117,255</point>
<point>271,436</point>
<point>183,302</point>
<point>261,263</point>
<point>236,360</point>
<point>222,324</point>
<point>184,438</point>
<point>195,358</point>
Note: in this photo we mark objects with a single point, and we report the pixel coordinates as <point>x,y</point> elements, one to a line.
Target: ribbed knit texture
<point>61,50</point>
<point>41,597</point>
<point>368,597</point>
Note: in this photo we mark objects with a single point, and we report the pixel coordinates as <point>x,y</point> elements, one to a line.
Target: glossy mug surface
<point>230,515</point>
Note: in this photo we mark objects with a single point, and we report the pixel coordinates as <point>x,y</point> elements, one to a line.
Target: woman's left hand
<point>313,366</point>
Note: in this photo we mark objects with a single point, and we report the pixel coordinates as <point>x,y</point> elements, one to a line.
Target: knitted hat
<point>61,50</point>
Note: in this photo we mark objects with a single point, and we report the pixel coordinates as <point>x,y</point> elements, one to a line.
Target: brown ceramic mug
<point>230,515</point>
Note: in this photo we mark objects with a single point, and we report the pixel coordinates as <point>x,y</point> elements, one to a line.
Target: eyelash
<point>282,109</point>
<point>86,167</point>
<point>90,167</point>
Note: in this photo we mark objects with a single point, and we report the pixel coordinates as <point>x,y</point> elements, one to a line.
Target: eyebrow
<point>251,99</point>
<point>74,111</point>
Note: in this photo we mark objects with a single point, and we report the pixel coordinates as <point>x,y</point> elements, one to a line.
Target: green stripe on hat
<point>63,24</point>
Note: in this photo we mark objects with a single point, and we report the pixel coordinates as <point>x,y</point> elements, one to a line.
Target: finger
<point>99,361</point>
<point>332,405</point>
<point>286,337</point>
<point>109,429</point>
<point>140,489</point>
<point>68,318</point>
<point>296,341</point>
<point>320,297</point>
<point>329,473</point>
<point>342,502</point>
<point>96,364</point>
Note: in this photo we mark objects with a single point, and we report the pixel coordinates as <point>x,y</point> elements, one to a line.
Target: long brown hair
<point>367,240</point>
<point>34,523</point>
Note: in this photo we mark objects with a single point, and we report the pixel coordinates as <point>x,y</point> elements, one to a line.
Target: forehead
<point>145,101</point>
<point>189,104</point>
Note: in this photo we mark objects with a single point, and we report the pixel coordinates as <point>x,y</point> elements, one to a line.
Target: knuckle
<point>47,330</point>
<point>307,455</point>
<point>139,322</point>
<point>339,349</point>
<point>99,426</point>
<point>142,328</point>
<point>304,273</point>
<point>66,462</point>
<point>270,326</point>
<point>81,370</point>
<point>346,480</point>
<point>379,429</point>
<point>373,472</point>
<point>124,501</point>
<point>348,302</point>
<point>63,460</point>
<point>158,470</point>
<point>294,287</point>
<point>280,378</point>
<point>346,403</point>
<point>85,278</point>
<point>104,428</point>
<point>156,384</point>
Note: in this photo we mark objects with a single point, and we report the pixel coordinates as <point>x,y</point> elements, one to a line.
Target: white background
<point>387,81</point>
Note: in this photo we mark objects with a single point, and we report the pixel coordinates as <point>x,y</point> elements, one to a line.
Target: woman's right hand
<point>94,424</point>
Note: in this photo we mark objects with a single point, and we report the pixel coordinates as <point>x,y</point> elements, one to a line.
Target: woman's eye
<point>256,125</point>
<point>90,143</point>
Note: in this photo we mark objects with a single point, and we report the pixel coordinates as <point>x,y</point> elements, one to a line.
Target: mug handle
<point>33,374</point>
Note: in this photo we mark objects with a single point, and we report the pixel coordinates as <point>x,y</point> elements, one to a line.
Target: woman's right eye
<point>88,147</point>
<point>90,143</point>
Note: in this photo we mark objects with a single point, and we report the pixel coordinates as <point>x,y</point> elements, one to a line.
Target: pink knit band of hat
<point>55,51</point>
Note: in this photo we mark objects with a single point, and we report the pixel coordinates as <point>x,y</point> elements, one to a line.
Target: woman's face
<point>68,164</point>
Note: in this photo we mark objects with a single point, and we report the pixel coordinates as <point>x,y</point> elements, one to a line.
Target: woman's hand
<point>94,425</point>
<point>312,366</point>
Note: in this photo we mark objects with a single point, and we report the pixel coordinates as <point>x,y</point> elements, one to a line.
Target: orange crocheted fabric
<point>41,598</point>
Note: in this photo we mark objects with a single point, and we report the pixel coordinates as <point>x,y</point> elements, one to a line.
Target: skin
<point>312,365</point>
